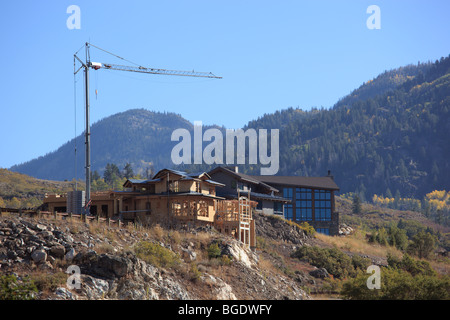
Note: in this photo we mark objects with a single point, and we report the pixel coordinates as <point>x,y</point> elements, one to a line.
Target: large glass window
<point>323,230</point>
<point>303,204</point>
<point>288,194</point>
<point>322,205</point>
<point>278,207</point>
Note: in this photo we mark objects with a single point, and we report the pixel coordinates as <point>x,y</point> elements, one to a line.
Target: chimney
<point>329,175</point>
<point>236,169</point>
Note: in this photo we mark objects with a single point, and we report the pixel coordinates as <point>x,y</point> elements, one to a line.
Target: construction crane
<point>98,65</point>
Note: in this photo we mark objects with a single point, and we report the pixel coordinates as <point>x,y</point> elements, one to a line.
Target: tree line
<point>113,178</point>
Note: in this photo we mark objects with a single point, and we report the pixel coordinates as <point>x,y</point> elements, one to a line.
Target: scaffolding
<point>234,217</point>
<point>245,218</point>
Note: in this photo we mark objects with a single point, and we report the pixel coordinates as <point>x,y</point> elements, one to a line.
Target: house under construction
<point>171,198</point>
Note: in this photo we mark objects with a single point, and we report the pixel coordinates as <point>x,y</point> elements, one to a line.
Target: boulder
<point>40,227</point>
<point>70,254</point>
<point>64,294</point>
<point>235,250</point>
<point>58,251</point>
<point>118,266</point>
<point>39,256</point>
<point>94,288</point>
<point>320,273</point>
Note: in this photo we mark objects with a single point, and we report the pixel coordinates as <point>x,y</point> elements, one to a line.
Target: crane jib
<point>98,65</point>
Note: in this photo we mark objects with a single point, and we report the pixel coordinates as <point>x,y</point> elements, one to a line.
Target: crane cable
<point>115,55</point>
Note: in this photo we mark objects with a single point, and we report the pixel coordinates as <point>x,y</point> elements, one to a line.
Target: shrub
<point>156,254</point>
<point>49,282</point>
<point>335,261</point>
<point>158,232</point>
<point>397,284</point>
<point>13,289</point>
<point>360,263</point>
<point>422,245</point>
<point>196,274</point>
<point>214,250</point>
<point>414,267</point>
<point>309,229</point>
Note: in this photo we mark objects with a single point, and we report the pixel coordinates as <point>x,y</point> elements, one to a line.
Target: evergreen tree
<point>111,174</point>
<point>389,193</point>
<point>128,171</point>
<point>356,205</point>
<point>422,245</point>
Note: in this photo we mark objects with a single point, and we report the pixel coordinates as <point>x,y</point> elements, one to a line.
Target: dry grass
<point>357,243</point>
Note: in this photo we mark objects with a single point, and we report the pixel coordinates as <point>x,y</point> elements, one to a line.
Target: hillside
<point>389,135</point>
<point>139,263</point>
<point>136,136</point>
<point>153,263</point>
<point>21,191</point>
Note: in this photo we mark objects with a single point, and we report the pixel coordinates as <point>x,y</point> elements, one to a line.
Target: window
<point>288,194</point>
<point>259,206</point>
<point>198,187</point>
<point>303,204</point>
<point>288,211</point>
<point>323,231</point>
<point>278,207</point>
<point>322,205</point>
<point>174,186</point>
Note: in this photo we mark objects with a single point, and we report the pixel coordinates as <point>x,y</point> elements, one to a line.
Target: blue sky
<point>271,54</point>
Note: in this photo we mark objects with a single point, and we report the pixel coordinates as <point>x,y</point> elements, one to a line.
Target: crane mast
<point>96,66</point>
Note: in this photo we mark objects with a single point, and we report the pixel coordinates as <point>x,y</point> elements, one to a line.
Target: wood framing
<point>172,198</point>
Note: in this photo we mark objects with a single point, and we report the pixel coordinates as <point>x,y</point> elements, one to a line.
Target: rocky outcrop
<point>272,227</point>
<point>28,244</point>
<point>22,240</point>
<point>320,273</point>
<point>345,230</point>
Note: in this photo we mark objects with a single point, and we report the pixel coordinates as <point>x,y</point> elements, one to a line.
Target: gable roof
<point>130,182</point>
<point>243,177</point>
<point>203,176</point>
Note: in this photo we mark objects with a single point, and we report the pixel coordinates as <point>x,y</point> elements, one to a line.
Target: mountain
<point>380,139</point>
<point>135,136</point>
<point>389,136</point>
<point>18,190</point>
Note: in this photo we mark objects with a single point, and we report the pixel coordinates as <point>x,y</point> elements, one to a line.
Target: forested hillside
<point>389,136</point>
<point>396,140</point>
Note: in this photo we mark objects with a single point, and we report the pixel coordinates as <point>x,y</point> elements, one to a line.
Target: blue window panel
<point>288,212</point>
<point>287,193</point>
<point>323,231</point>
